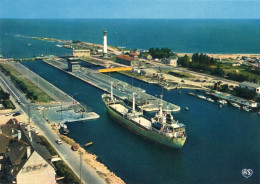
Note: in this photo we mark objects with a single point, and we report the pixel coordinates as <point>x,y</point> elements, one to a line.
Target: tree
<point>184,61</point>
<point>218,71</point>
<point>245,93</point>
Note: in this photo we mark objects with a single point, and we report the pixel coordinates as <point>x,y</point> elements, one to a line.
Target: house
<point>22,158</point>
<point>172,61</point>
<point>133,54</point>
<point>251,86</point>
<point>126,60</point>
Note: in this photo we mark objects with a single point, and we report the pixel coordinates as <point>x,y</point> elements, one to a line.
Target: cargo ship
<point>162,128</point>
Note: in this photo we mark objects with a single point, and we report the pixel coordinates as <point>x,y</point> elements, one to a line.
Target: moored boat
<point>202,97</point>
<point>246,108</point>
<point>192,94</point>
<point>235,104</point>
<point>89,144</point>
<point>161,129</point>
<point>223,102</point>
<point>210,99</point>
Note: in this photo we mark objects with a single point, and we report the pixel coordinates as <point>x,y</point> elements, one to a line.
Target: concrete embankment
<point>121,89</point>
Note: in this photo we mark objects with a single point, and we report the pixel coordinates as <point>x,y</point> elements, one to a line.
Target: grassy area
<point>144,64</point>
<point>239,70</point>
<point>132,74</point>
<point>5,100</point>
<point>62,168</point>
<point>34,93</point>
<point>8,104</point>
<point>92,61</point>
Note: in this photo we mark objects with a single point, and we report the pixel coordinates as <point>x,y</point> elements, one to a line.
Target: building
<point>22,158</point>
<point>74,66</point>
<point>126,60</point>
<point>252,86</point>
<point>133,54</point>
<point>81,53</point>
<point>170,61</point>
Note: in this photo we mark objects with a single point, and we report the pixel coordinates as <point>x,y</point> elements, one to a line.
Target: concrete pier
<point>121,89</point>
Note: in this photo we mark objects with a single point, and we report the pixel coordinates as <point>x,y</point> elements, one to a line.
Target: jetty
<point>121,89</point>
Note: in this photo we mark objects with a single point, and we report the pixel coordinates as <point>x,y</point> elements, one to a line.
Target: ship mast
<point>133,102</point>
<point>161,110</point>
<point>112,98</point>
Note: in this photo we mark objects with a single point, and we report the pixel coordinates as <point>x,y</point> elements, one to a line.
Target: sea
<point>221,142</point>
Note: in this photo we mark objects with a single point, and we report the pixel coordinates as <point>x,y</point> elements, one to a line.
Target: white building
<point>81,53</point>
<point>170,61</point>
<point>252,86</point>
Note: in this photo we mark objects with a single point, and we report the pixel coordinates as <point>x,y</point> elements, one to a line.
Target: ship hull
<point>176,143</point>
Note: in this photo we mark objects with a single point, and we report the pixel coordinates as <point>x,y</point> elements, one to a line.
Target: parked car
<point>74,147</point>
<point>8,114</point>
<point>17,114</point>
<point>40,108</point>
<point>58,141</point>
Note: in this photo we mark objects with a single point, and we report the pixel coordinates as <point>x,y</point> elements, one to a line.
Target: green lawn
<point>37,96</point>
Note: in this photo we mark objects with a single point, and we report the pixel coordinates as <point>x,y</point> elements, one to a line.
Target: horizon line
<point>132,18</point>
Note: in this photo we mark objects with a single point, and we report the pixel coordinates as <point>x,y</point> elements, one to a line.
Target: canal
<point>220,143</point>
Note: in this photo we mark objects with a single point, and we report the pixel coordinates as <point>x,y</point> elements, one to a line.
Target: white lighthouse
<point>105,44</point>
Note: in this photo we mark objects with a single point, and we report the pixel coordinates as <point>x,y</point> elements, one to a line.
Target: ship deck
<point>120,108</point>
<point>142,121</point>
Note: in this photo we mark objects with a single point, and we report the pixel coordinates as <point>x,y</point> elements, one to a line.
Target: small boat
<point>210,100</point>
<point>220,106</point>
<point>207,93</point>
<point>192,94</point>
<point>29,44</point>
<point>58,45</point>
<point>246,108</point>
<point>179,92</point>
<point>258,112</point>
<point>89,144</point>
<point>186,108</point>
<point>223,102</point>
<point>235,104</point>
<point>202,97</point>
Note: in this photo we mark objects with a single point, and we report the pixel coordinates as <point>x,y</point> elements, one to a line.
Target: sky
<point>136,9</point>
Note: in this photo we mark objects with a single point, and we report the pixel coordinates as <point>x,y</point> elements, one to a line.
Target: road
<point>88,174</point>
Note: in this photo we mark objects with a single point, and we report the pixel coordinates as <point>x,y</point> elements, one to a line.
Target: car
<point>74,147</point>
<point>58,141</point>
<point>40,108</point>
<point>17,114</point>
<point>8,114</point>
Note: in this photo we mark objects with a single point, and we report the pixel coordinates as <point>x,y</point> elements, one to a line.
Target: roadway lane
<point>88,173</point>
